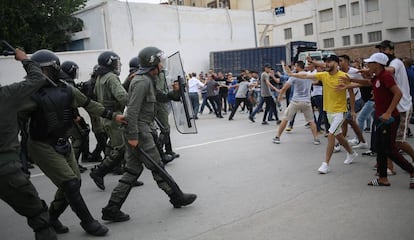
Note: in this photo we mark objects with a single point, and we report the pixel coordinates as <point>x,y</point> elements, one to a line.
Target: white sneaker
<point>324,168</point>
<point>361,145</point>
<point>353,141</point>
<point>337,148</point>
<point>350,157</point>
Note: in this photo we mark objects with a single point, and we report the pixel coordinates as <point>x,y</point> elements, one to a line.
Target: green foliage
<point>35,24</point>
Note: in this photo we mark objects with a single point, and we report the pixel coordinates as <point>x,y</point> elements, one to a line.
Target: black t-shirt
<point>222,81</point>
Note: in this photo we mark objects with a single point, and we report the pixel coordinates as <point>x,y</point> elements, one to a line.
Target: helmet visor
<point>117,67</point>
<point>163,60</point>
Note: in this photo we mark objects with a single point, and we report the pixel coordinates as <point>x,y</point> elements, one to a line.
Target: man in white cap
<point>387,117</point>
<point>396,67</point>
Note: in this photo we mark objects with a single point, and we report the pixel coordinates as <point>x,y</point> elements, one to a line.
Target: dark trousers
<point>238,102</point>
<point>205,103</point>
<point>385,144</point>
<point>215,102</point>
<point>270,107</point>
<point>223,100</point>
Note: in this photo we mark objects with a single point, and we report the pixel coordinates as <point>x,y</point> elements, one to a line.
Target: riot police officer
<point>79,133</point>
<point>162,112</point>
<point>110,92</point>
<point>140,115</point>
<point>51,116</point>
<point>15,187</point>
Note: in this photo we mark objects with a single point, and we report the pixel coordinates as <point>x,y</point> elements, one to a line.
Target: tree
<point>37,24</point>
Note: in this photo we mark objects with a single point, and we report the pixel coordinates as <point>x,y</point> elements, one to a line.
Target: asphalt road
<point>248,188</point>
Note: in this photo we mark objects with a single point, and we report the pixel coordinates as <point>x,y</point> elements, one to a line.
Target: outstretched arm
<point>298,75</point>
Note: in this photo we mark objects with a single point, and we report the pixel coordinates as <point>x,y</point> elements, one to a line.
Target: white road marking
<point>189,146</point>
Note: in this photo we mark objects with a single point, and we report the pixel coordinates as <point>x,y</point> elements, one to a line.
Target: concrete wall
<point>12,70</point>
<point>195,32</point>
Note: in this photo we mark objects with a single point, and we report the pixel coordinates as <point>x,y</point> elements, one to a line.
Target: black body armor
<point>55,114</point>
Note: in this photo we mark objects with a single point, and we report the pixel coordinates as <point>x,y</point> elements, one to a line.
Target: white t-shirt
<point>194,85</point>
<point>401,79</point>
<point>354,73</point>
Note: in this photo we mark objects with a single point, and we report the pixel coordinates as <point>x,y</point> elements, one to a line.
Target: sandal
<point>411,182</point>
<point>376,183</point>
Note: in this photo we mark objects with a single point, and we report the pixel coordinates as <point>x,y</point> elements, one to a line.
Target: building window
<point>329,43</point>
<point>326,15</point>
<point>412,33</point>
<point>358,38</point>
<point>355,9</point>
<point>308,29</point>
<point>346,40</point>
<point>288,33</point>
<point>375,36</point>
<point>372,5</point>
<point>176,2</point>
<point>342,11</point>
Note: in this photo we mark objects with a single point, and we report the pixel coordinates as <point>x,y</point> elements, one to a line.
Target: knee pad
<point>117,154</point>
<point>71,186</point>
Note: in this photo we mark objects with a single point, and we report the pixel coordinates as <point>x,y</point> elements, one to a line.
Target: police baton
<point>10,50</point>
<point>160,170</point>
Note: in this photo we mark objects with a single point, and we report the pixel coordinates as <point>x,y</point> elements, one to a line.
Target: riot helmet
<point>149,58</point>
<point>71,69</point>
<point>110,60</point>
<point>133,64</point>
<point>49,62</point>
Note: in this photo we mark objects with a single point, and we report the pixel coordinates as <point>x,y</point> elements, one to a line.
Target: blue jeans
<point>365,113</point>
<point>194,102</point>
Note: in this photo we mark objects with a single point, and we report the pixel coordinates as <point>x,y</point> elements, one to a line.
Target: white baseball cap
<point>380,58</point>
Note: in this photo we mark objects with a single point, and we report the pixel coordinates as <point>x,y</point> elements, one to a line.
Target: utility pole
<point>254,24</point>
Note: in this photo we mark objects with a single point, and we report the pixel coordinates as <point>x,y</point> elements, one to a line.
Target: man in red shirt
<point>386,96</point>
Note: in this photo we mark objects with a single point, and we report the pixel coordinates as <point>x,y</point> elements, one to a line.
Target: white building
<point>126,28</point>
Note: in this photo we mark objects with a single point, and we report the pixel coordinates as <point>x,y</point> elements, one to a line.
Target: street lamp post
<point>254,24</point>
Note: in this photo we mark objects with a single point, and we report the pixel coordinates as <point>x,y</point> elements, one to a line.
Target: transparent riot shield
<point>182,110</point>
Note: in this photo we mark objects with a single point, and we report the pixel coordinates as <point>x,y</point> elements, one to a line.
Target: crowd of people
<point>378,101</point>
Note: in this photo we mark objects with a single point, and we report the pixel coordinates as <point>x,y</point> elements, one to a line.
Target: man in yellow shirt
<point>335,105</point>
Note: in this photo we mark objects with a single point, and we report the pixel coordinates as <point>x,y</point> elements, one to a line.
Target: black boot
<point>71,189</point>
<point>57,207</point>
<point>41,225</point>
<point>173,154</point>
<point>167,158</point>
<point>168,148</point>
<point>93,157</point>
<point>182,199</point>
<point>97,174</point>
<point>112,212</point>
<point>137,184</point>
